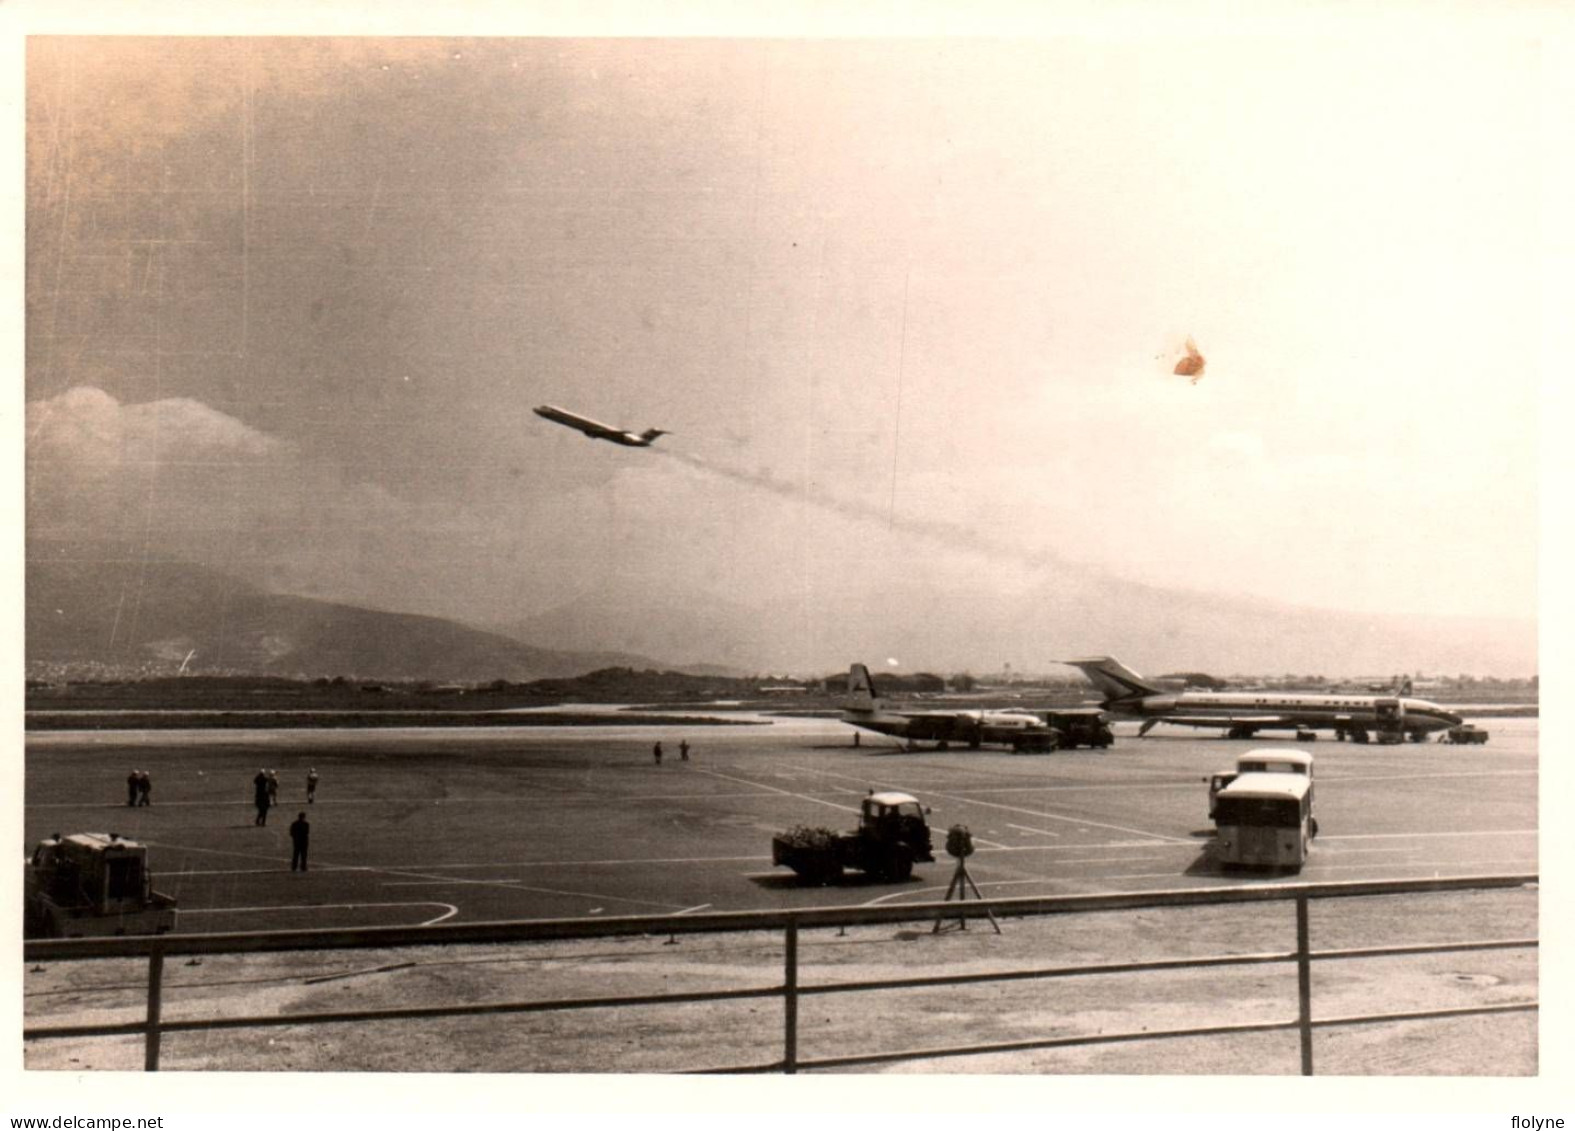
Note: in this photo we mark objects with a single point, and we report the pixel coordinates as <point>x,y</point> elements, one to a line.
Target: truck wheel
<point>898,867</point>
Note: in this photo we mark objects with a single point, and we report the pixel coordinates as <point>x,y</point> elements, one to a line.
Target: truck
<point>88,885</point>
<point>892,836</point>
<point>1080,726</point>
<point>1264,760</point>
<point>1466,734</point>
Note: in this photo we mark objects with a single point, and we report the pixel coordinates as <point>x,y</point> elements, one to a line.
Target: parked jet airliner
<point>1243,713</point>
<point>1017,729</point>
<point>596,430</point>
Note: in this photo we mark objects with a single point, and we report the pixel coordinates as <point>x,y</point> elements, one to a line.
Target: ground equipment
<point>92,884</point>
<point>892,836</point>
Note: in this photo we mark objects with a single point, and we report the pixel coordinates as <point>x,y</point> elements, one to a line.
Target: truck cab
<point>1080,726</point>
<point>897,818</point>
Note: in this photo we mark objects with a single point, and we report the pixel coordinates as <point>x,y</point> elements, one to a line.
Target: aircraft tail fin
<point>1404,687</point>
<point>861,689</point>
<point>1114,679</point>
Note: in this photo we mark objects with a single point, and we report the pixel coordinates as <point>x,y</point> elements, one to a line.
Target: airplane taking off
<point>595,429</point>
<point>1017,729</point>
<point>1243,713</point>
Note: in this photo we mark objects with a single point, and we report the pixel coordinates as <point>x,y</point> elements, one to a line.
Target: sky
<point>910,309</point>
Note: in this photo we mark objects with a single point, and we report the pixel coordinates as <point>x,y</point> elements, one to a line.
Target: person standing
<point>132,781</point>
<point>260,796</point>
<point>311,786</point>
<point>144,788</point>
<point>657,752</point>
<point>300,835</point>
<point>273,788</point>
<point>683,750</point>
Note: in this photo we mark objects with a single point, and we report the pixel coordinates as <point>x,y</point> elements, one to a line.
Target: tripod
<point>961,883</point>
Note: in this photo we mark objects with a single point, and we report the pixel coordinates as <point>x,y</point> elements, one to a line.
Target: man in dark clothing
<point>311,786</point>
<point>657,751</point>
<point>260,796</point>
<point>144,788</point>
<point>683,750</point>
<point>300,833</point>
<point>131,787</point>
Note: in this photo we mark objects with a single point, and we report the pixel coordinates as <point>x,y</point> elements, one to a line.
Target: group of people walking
<point>139,788</point>
<point>683,751</point>
<point>265,795</point>
<point>265,792</point>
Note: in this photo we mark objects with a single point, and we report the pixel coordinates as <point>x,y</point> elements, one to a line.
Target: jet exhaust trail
<point>935,530</point>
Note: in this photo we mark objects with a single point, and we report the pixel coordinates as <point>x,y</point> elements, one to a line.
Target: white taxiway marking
<point>495,798</point>
<point>1036,832</point>
<point>696,907</point>
<point>452,910</point>
<point>920,891</point>
<point>513,885</point>
<point>1411,836</point>
<point>1030,812</point>
<point>787,792</point>
<point>1329,778</point>
<point>491,864</point>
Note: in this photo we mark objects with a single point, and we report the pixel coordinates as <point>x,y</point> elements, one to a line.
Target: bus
<point>1265,820</point>
<point>1269,760</point>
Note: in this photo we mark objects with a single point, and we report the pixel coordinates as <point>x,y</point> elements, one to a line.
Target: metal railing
<point>157,948</point>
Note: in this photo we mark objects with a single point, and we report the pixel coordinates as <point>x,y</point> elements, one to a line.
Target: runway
<point>420,825</point>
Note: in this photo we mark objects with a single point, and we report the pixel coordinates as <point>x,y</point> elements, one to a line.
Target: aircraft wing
<point>940,726</point>
<point>1225,720</point>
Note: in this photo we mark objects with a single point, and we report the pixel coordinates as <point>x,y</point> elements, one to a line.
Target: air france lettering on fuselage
<point>1017,729</point>
<point>1243,713</point>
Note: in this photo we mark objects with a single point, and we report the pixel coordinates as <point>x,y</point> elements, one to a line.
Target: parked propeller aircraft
<point>1017,729</point>
<point>596,430</point>
<point>1244,713</point>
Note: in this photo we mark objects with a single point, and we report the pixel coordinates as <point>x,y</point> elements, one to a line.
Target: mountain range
<point>161,615</point>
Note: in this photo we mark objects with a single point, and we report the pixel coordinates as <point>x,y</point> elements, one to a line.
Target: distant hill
<point>1071,612</point>
<point>148,617</point>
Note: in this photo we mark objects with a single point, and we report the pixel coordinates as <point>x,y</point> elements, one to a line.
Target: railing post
<point>150,1062</point>
<point>1304,983</point>
<point>790,999</point>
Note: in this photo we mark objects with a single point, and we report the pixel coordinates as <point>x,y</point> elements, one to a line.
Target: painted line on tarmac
<point>452,910</point>
<point>1059,817</point>
<point>892,896</point>
<point>1029,812</point>
<point>491,864</point>
<point>786,792</point>
<point>1026,829</point>
<point>1327,778</point>
<point>696,907</point>
<point>1302,878</point>
<point>579,795</point>
<point>1413,836</point>
<point>1153,783</point>
<point>1083,846</point>
<point>514,885</point>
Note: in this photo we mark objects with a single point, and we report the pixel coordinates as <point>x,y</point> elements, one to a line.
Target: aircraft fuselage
<point>1285,711</point>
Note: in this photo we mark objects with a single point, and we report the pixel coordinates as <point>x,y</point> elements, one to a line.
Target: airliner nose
<point>1454,719</point>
